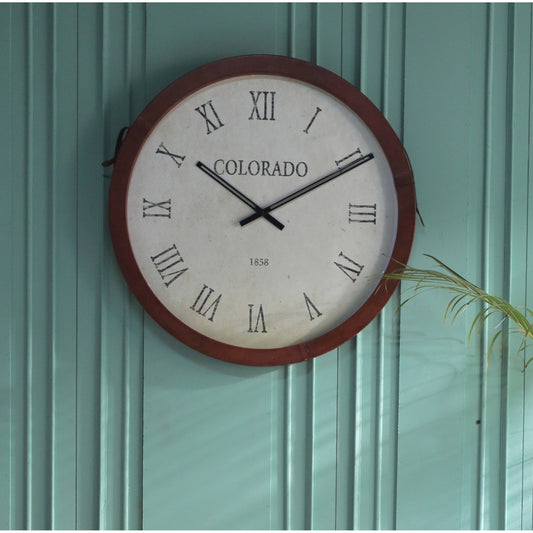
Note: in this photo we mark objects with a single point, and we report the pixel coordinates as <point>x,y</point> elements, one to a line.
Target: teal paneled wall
<point>108,422</point>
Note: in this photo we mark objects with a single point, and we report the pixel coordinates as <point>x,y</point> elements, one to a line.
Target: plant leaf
<point>465,294</point>
<point>491,345</point>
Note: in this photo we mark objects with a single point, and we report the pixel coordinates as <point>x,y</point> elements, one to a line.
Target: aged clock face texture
<point>255,205</point>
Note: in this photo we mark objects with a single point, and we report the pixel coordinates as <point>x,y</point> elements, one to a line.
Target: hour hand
<point>241,196</point>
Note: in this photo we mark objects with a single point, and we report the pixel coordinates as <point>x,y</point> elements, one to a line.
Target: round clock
<point>255,205</point>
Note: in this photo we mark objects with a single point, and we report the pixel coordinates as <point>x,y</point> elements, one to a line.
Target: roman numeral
<point>204,303</point>
<point>263,102</point>
<point>349,156</point>
<point>352,269</point>
<point>317,111</point>
<point>156,209</point>
<point>311,308</point>
<point>165,262</point>
<point>362,213</point>
<point>260,326</point>
<point>212,120</point>
<point>178,159</point>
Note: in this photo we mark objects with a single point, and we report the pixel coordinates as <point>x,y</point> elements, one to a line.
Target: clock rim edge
<point>299,70</point>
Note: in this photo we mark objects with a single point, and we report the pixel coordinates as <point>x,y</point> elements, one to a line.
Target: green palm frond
<point>464,295</point>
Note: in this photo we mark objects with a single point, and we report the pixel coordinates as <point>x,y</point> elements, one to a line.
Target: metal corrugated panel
<point>108,422</point>
<point>72,387</point>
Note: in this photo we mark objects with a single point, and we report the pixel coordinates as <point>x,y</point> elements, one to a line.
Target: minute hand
<point>308,188</point>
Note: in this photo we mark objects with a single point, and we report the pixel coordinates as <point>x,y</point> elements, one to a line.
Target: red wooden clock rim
<point>241,66</point>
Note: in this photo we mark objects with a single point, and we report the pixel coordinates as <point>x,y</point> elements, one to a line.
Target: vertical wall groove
<point>105,414</point>
<point>48,309</point>
<point>106,493</point>
<point>492,275</point>
<point>528,352</point>
<point>18,268</point>
<point>287,455</point>
<point>482,451</point>
<point>278,449</point>
<point>89,265</point>
<point>507,269</point>
<point>519,153</point>
<point>7,311</point>
<point>526,521</point>
<point>53,269</point>
<point>133,323</point>
<point>28,284</point>
<point>77,224</point>
<point>38,238</point>
<point>388,341</point>
<point>63,324</point>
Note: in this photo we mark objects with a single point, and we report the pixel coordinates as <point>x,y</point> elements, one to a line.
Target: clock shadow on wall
<point>172,355</point>
<point>255,204</point>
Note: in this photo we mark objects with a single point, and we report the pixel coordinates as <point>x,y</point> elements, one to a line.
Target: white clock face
<point>220,156</point>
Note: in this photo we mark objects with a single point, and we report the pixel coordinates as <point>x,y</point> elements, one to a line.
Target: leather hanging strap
<point>120,139</point>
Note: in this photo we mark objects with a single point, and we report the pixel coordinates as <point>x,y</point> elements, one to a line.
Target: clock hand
<point>308,188</point>
<point>259,212</point>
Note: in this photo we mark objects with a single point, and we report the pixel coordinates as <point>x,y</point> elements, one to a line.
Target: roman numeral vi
<point>260,326</point>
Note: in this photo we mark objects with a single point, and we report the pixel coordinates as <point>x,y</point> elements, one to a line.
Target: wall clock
<point>254,206</point>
